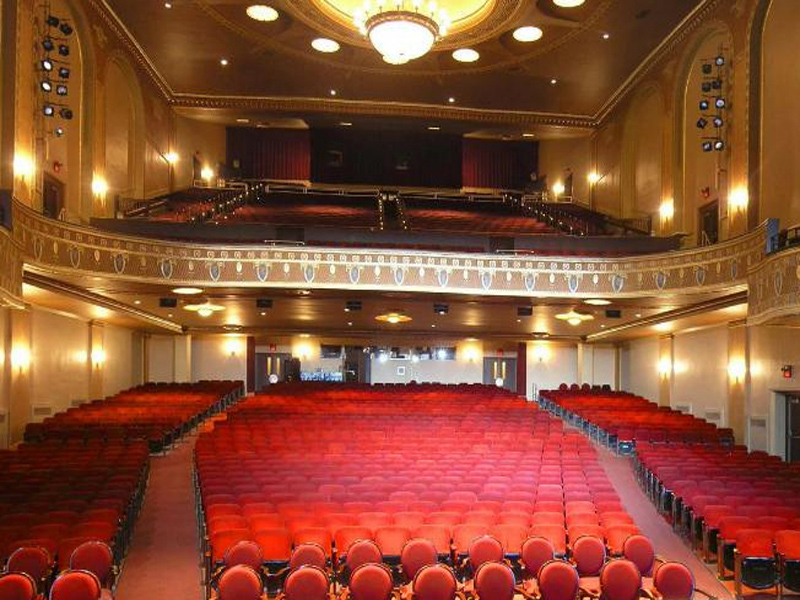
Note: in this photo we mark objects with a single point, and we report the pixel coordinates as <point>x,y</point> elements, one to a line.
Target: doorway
<point>501,372</point>
<point>271,368</point>
<point>709,224</point>
<point>793,428</point>
<point>53,196</point>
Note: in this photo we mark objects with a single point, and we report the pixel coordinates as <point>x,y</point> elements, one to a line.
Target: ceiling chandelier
<point>402,30</point>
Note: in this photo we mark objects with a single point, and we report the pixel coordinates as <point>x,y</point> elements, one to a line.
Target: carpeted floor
<point>164,559</point>
<point>668,545</point>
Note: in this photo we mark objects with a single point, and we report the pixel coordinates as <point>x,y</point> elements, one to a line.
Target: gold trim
<point>10,272</point>
<point>775,288</point>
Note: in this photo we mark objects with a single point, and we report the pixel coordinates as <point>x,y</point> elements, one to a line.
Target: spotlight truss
<point>713,101</point>
<point>52,61</point>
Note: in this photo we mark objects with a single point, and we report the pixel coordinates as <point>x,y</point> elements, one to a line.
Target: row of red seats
<point>159,413</point>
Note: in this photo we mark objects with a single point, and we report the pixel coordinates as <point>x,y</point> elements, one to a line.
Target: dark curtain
<point>498,164</point>
<point>269,153</point>
<point>388,158</point>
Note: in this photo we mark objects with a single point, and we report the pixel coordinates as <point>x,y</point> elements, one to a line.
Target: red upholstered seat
<point>558,580</point>
<point>494,581</point>
<point>245,552</point>
<point>240,583</point>
<point>417,553</point>
<point>17,586</point>
<point>435,582</point>
<point>370,581</point>
<point>620,580</point>
<point>77,585</point>
<point>308,582</point>
<point>673,581</point>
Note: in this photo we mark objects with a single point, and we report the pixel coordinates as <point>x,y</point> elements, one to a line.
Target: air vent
<point>757,435</point>
<point>76,403</point>
<point>2,417</point>
<point>684,408</point>
<point>524,311</point>
<point>263,302</point>
<point>39,411</point>
<point>613,313</point>
<point>714,416</point>
<point>168,302</point>
<point>352,306</point>
<point>441,309</point>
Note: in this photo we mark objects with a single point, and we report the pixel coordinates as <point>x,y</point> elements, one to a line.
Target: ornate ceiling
<point>589,52</point>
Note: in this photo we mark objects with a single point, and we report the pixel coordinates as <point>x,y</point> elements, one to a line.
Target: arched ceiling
<point>590,51</point>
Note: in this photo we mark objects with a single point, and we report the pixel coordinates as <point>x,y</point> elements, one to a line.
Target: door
<point>501,372</point>
<point>793,428</point>
<point>355,364</point>
<point>268,365</point>
<point>709,224</point>
<point>53,196</point>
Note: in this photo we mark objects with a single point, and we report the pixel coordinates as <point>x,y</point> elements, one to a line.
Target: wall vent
<point>684,408</point>
<point>758,436</point>
<point>76,403</point>
<point>2,416</point>
<point>714,416</point>
<point>39,411</point>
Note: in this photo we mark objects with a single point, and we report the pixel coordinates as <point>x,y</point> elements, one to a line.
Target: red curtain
<point>269,153</point>
<point>497,164</point>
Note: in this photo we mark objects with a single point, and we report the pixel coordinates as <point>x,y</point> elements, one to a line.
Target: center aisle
<point>668,545</point>
<point>164,559</point>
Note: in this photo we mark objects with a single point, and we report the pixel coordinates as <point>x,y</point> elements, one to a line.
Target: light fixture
<point>433,128</point>
<point>98,356</point>
<point>719,60</point>
<point>719,145</point>
<point>558,188</point>
<point>702,122</point>
<point>206,309</point>
<point>242,120</point>
<point>737,369</point>
<point>664,367</point>
<point>65,28</point>
<point>708,146</point>
<point>58,131</point>
<point>261,12</point>
<point>441,354</point>
<point>61,89</point>
<point>187,291</point>
<point>451,100</point>
<point>553,81</point>
<point>346,124</point>
<point>46,85</point>
<point>541,352</point>
<point>383,356</point>
<point>48,110</point>
<point>99,186</point>
<point>593,177</point>
<point>46,64</point>
<point>325,45</point>
<point>606,36</point>
<point>466,55</point>
<point>223,62</point>
<point>393,317</point>
<point>23,166</point>
<point>206,173</point>
<point>574,318</point>
<point>167,5</point>
<point>738,199</point>
<point>720,102</point>
<point>663,326</point>
<point>333,92</point>
<point>233,347</point>
<point>528,135</point>
<point>597,301</point>
<point>404,31</point>
<point>63,72</point>
<point>704,105</point>
<point>20,358</point>
<point>137,302</point>
<point>568,3</point>
<point>667,209</point>
<point>171,157</point>
<point>65,113</point>
<point>527,34</point>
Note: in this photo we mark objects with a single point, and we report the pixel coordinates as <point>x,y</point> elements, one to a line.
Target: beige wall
<point>219,357</point>
<point>160,358</point>
<point>700,364</point>
<point>639,368</point>
<point>558,364</point>
<point>194,136</point>
<point>120,356</point>
<point>576,153</point>
<point>467,368</point>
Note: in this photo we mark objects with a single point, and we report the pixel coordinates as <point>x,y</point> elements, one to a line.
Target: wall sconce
<point>171,157</point>
<point>664,367</point>
<point>99,187</point>
<point>98,357</point>
<point>20,358</point>
<point>207,174</point>
<point>594,177</point>
<point>738,200</point>
<point>558,188</point>
<point>667,210</point>
<point>23,167</point>
<point>737,369</point>
<point>232,347</point>
<point>471,354</point>
<point>303,350</point>
<point>541,353</point>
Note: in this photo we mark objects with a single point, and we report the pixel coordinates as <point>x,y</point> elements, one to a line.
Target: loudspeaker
<point>263,302</point>
<point>168,302</point>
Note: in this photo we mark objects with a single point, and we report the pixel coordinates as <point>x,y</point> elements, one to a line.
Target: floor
<point>164,559</point>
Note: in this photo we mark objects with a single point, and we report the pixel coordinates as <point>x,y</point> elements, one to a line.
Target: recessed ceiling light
<point>602,326</point>
<point>187,291</point>
<point>574,318</point>
<point>167,5</point>
<point>393,317</point>
<point>663,326</point>
<point>263,314</point>
<point>527,34</point>
<point>568,3</point>
<point>325,45</point>
<point>242,120</point>
<point>528,135</point>
<point>346,124</point>
<point>137,302</point>
<point>597,302</point>
<point>333,92</point>
<point>223,62</point>
<point>349,323</point>
<point>260,12</point>
<point>638,315</point>
<point>169,315</point>
<point>451,100</point>
<point>305,335</point>
<point>606,36</point>
<point>206,309</point>
<point>433,128</point>
<point>553,81</point>
<point>466,55</point>
<point>433,326</point>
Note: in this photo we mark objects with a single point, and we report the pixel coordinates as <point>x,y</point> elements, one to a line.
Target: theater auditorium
<point>399,300</point>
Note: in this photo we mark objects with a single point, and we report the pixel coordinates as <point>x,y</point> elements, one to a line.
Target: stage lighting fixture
<point>48,110</point>
<point>717,84</point>
<point>47,64</point>
<point>61,89</point>
<point>719,61</point>
<point>707,146</point>
<point>707,68</point>
<point>46,86</point>
<point>719,145</point>
<point>65,113</point>
<point>719,102</point>
<point>59,131</point>
<point>63,50</point>
<point>65,28</point>
<point>63,72</point>
<point>706,87</point>
<point>48,45</point>
<point>704,105</point>
<point>701,123</point>
<point>718,122</point>
<point>53,21</point>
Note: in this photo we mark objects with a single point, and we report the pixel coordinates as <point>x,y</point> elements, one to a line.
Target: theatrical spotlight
<point>53,21</point>
<point>701,123</point>
<point>63,50</point>
<point>61,89</point>
<point>58,131</point>
<point>704,104</point>
<point>63,72</point>
<point>708,146</point>
<point>706,87</point>
<point>46,64</point>
<point>719,102</point>
<point>719,61</point>
<point>65,28</point>
<point>65,113</point>
<point>48,110</point>
<point>719,145</point>
<point>46,86</point>
<point>707,68</point>
<point>48,45</point>
<point>718,122</point>
<point>717,84</point>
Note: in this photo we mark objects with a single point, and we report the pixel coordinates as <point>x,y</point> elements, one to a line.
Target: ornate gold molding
<point>59,249</point>
<point>774,288</point>
<point>10,271</point>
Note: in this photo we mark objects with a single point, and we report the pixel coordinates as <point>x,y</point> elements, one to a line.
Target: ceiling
<point>322,312</point>
<point>274,60</point>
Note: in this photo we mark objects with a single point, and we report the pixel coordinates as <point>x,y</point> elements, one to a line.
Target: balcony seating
<point>17,586</point>
<point>76,585</point>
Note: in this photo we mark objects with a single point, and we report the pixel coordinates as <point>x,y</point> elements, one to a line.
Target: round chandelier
<point>402,31</point>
